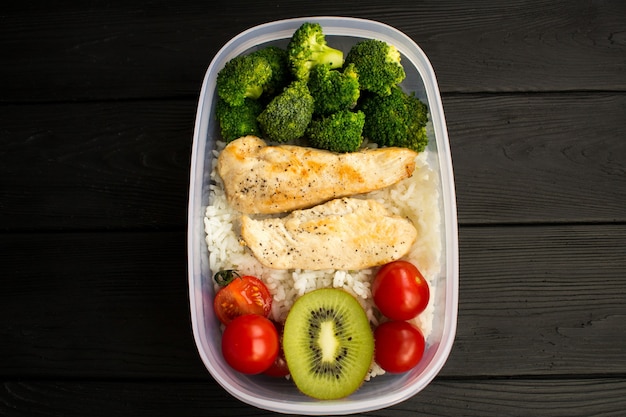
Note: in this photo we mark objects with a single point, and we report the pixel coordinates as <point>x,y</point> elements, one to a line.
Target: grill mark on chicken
<point>346,233</point>
<point>262,179</point>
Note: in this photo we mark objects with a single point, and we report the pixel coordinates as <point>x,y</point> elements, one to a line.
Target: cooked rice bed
<point>416,198</point>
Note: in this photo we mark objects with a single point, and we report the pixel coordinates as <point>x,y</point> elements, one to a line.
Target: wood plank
<point>107,304</point>
<point>125,165</point>
<point>539,301</point>
<point>121,50</point>
<point>538,158</point>
<point>95,165</point>
<point>443,397</point>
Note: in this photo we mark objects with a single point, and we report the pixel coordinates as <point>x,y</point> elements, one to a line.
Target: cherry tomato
<point>279,368</point>
<point>250,343</point>
<point>399,346</point>
<point>400,291</point>
<point>240,295</point>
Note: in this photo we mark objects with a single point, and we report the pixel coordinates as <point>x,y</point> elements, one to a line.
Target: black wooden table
<point>97,107</point>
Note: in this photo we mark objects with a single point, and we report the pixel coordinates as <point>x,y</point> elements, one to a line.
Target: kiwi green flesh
<point>328,344</point>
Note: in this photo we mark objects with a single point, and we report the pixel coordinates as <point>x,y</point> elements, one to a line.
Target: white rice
<point>416,198</point>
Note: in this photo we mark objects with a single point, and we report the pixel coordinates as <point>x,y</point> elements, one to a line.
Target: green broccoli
<point>289,113</point>
<point>307,48</point>
<point>417,138</point>
<point>281,76</point>
<point>244,76</point>
<point>338,132</point>
<point>398,119</point>
<point>333,90</point>
<point>238,121</point>
<point>378,65</point>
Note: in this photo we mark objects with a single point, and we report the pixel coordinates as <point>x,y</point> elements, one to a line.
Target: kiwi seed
<point>328,344</point>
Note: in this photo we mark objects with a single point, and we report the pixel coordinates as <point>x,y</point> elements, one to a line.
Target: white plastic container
<point>282,395</point>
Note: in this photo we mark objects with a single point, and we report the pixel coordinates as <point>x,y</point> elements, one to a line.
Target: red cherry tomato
<point>279,368</point>
<point>399,346</point>
<point>239,296</point>
<point>250,344</point>
<point>400,291</point>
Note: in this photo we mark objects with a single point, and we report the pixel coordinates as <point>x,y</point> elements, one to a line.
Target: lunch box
<point>278,394</point>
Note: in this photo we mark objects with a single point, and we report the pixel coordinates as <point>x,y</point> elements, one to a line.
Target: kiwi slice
<point>328,344</point>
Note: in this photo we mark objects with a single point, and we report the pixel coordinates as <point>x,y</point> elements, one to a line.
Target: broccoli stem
<point>331,57</point>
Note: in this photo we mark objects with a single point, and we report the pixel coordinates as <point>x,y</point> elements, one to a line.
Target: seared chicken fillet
<point>345,233</point>
<point>262,179</point>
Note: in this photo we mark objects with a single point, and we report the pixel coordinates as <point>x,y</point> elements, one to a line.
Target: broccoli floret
<point>281,76</point>
<point>338,132</point>
<point>417,139</point>
<point>289,113</point>
<point>244,76</point>
<point>307,48</point>
<point>398,119</point>
<point>378,65</point>
<point>238,121</point>
<point>333,90</point>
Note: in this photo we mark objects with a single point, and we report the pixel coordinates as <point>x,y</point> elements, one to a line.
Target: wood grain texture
<point>541,301</point>
<point>96,165</point>
<point>533,301</point>
<point>162,49</point>
<point>443,397</point>
<point>538,158</point>
<point>96,304</point>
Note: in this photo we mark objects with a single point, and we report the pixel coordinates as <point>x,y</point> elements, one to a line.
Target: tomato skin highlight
<point>400,291</point>
<point>243,295</point>
<point>399,346</point>
<point>250,344</point>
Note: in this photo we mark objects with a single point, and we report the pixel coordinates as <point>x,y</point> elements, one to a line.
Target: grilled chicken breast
<point>345,233</point>
<point>262,179</point>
